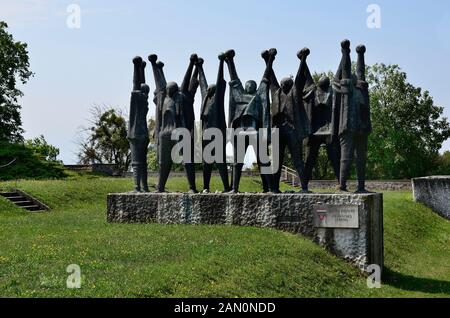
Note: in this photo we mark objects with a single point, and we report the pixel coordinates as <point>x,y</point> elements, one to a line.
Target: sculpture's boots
<point>302,175</point>
<point>163,176</point>
<point>145,178</point>
<point>190,174</point>
<point>137,176</point>
<point>237,173</point>
<point>207,170</point>
<point>345,172</point>
<point>223,171</point>
<point>361,172</point>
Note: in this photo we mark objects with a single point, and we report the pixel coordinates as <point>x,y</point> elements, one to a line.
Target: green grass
<point>153,260</point>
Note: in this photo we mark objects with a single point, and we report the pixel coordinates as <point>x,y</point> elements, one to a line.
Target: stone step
<point>32,208</point>
<point>17,198</point>
<point>8,194</point>
<point>24,201</point>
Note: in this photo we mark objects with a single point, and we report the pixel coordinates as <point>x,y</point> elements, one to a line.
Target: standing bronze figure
<point>174,110</point>
<point>212,115</point>
<point>138,129</point>
<point>352,104</point>
<point>318,100</point>
<point>249,110</point>
<point>289,116</point>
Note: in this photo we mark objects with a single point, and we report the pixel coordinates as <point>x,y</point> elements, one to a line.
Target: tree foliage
<point>106,139</point>
<point>14,66</point>
<point>42,149</point>
<point>408,128</point>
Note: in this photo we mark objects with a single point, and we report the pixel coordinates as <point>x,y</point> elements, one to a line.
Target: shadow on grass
<point>417,284</point>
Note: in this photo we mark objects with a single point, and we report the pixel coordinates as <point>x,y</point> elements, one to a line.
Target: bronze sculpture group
<point>331,112</point>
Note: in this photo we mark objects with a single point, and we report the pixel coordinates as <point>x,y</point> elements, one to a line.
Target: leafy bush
<point>27,165</point>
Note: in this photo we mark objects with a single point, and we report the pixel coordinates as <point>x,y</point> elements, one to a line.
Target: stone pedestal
<point>348,225</point>
<point>434,192</point>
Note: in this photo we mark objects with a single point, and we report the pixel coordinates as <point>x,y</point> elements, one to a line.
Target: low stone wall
<point>348,225</point>
<point>434,192</point>
<point>370,185</point>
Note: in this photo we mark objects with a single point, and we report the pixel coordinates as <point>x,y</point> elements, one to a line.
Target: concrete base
<point>297,213</point>
<point>434,192</point>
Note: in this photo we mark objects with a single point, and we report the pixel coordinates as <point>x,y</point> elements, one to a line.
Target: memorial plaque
<point>336,216</point>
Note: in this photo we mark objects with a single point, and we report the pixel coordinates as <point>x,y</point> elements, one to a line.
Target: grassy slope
<point>201,261</point>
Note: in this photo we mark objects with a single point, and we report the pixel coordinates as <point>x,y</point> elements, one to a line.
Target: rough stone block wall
<point>434,192</point>
<point>288,212</point>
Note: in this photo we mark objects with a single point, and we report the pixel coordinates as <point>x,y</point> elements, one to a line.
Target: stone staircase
<point>24,201</point>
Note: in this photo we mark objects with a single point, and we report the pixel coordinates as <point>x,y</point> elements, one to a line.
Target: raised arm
<point>137,73</point>
<point>187,77</point>
<point>345,66</point>
<point>220,74</point>
<point>269,66</point>
<point>194,83</point>
<point>202,78</point>
<point>361,64</point>
<point>301,78</point>
<point>161,75</point>
<point>230,54</point>
<point>159,81</point>
<point>274,85</point>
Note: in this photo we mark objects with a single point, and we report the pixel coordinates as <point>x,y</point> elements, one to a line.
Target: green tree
<point>408,128</point>
<point>42,149</point>
<point>14,66</point>
<point>106,141</point>
<point>443,164</point>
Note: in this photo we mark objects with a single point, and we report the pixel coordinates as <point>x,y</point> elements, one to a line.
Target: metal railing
<point>9,164</point>
<point>290,176</point>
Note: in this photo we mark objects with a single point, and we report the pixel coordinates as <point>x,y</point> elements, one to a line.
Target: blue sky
<point>77,68</point>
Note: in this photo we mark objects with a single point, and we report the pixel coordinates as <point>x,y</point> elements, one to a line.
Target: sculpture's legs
<point>144,167</point>
<point>361,160</point>
<point>165,160</point>
<point>267,180</point>
<point>333,152</point>
<point>295,148</point>
<point>277,176</point>
<point>237,172</point>
<point>223,171</point>
<point>347,151</point>
<point>136,162</point>
<point>137,177</point>
<point>313,153</point>
<point>207,170</point>
<point>189,169</point>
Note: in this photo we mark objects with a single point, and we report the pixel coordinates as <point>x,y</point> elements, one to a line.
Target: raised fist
<point>230,54</point>
<point>160,64</point>
<point>265,55</point>
<point>222,56</point>
<point>345,45</point>
<point>137,60</point>
<point>194,58</point>
<point>200,61</point>
<point>153,58</point>
<point>144,64</point>
<point>361,49</point>
<point>273,52</point>
<point>303,53</point>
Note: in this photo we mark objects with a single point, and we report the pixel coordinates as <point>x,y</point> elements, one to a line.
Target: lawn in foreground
<point>201,261</point>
